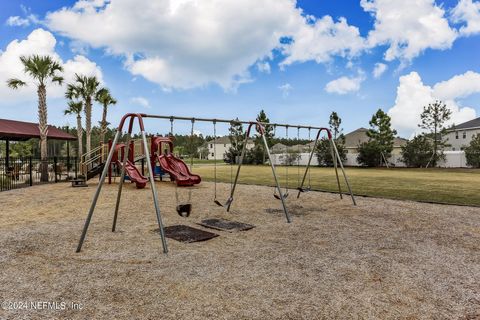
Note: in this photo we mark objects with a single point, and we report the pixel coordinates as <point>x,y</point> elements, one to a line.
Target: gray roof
<point>475,123</point>
<point>356,137</point>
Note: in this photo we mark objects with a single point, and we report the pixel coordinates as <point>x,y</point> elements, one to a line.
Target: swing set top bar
<point>193,119</point>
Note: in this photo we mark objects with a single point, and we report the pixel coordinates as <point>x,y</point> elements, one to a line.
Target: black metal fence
<point>23,172</point>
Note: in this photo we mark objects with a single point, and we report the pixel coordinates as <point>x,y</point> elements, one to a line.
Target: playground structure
<point>171,163</point>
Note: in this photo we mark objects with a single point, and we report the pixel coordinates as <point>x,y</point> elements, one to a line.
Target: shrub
<point>417,152</point>
<point>472,152</point>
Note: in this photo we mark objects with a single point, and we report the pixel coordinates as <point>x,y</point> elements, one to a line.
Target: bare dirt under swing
<point>382,259</point>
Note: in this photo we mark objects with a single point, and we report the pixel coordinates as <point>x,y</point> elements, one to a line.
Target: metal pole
<point>244,148</point>
<point>154,194</point>
<point>334,158</point>
<point>308,166</point>
<point>344,174</point>
<point>30,170</point>
<point>55,164</point>
<point>97,193</point>
<point>287,215</point>
<point>122,177</point>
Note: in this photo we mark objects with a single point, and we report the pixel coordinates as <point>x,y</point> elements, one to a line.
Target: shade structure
<point>19,131</point>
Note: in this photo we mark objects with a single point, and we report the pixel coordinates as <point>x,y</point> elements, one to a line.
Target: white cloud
<point>285,89</point>
<point>181,44</point>
<point>141,101</point>
<point>408,27</point>
<point>321,39</point>
<point>459,86</point>
<point>39,42</point>
<point>467,12</point>
<point>16,21</point>
<point>263,66</point>
<point>379,69</point>
<point>344,85</point>
<point>413,95</point>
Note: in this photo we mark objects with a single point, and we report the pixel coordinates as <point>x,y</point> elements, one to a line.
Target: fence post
<point>30,169</point>
<point>143,166</point>
<point>55,168</point>
<point>76,167</point>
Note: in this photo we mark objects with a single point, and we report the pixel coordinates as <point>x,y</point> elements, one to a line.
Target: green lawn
<point>455,186</point>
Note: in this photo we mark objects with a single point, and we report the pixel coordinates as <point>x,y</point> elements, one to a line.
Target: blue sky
<point>297,60</point>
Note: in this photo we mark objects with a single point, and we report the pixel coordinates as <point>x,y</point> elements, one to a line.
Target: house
<point>222,145</point>
<point>458,137</point>
<point>278,148</point>
<point>356,137</point>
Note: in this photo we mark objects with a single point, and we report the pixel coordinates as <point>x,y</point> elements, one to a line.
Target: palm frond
<point>15,83</point>
<point>72,92</point>
<point>57,79</point>
<point>41,68</point>
<point>74,107</point>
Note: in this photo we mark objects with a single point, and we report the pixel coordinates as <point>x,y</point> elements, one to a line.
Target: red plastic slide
<point>178,170</point>
<point>135,175</point>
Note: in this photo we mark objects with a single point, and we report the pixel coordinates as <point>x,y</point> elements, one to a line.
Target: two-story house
<point>458,137</point>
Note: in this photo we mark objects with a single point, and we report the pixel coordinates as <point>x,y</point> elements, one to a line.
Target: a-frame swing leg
<point>244,148</point>
<point>122,176</point>
<point>334,158</point>
<point>344,174</point>
<point>307,168</point>
<point>154,194</point>
<point>282,198</point>
<point>97,192</point>
<point>287,214</point>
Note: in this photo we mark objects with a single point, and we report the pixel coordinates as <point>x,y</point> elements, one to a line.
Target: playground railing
<point>20,172</point>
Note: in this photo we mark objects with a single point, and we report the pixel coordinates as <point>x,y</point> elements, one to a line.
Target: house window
<point>211,145</point>
<point>456,134</point>
<point>453,149</point>
<point>464,134</point>
<point>224,145</point>
<point>213,154</point>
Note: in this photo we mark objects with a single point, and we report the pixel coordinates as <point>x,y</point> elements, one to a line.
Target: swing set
<point>185,209</point>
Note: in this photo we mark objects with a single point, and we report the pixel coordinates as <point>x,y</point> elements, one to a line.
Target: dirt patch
<point>381,259</point>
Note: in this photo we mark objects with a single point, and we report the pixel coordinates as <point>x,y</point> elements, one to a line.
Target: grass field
<point>455,186</point>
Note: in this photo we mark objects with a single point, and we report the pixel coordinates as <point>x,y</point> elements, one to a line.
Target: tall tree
<point>323,152</point>
<point>42,69</point>
<point>84,88</point>
<point>76,107</point>
<point>236,136</point>
<point>433,119</point>
<point>382,133</point>
<point>259,149</point>
<point>335,121</point>
<point>104,97</point>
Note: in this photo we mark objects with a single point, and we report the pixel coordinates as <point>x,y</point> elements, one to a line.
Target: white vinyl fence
<point>453,159</point>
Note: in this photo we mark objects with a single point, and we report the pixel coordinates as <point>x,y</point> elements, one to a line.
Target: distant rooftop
<point>475,123</point>
<point>356,137</point>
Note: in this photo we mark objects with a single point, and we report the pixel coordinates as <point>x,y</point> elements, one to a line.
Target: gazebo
<point>12,130</point>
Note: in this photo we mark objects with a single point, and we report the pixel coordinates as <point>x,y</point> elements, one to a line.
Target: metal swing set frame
<point>259,127</point>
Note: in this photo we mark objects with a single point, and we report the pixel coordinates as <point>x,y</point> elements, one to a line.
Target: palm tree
<point>85,88</point>
<point>104,97</point>
<point>76,107</point>
<point>41,69</point>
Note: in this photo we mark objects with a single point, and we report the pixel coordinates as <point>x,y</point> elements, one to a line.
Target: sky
<point>297,60</point>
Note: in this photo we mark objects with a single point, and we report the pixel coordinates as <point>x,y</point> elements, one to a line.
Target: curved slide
<point>178,170</point>
<point>135,175</point>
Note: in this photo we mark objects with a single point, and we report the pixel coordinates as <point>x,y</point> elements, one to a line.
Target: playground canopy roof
<point>19,130</point>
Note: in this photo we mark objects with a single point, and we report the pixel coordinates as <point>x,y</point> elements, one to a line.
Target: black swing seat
<point>307,189</point>
<point>184,210</point>
<point>285,195</point>
<point>226,204</point>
